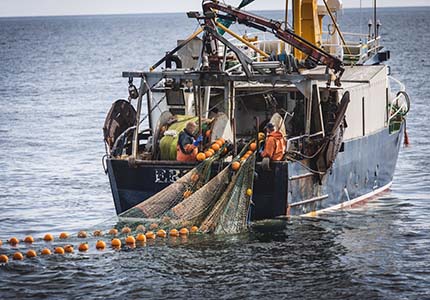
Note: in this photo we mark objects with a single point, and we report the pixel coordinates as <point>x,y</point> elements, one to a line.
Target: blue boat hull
<point>364,167</point>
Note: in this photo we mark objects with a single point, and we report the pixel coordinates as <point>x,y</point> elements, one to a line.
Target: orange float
<point>4,259</point>
<point>150,235</point>
<point>221,140</point>
<point>215,147</point>
<point>64,235</point>
<point>201,156</point>
<point>195,177</point>
<point>126,230</point>
<point>208,133</point>
<point>187,194</point>
<point>59,250</point>
<point>208,154</point>
<point>116,243</point>
<point>83,247</point>
<point>235,165</point>
<point>100,245</point>
<point>130,240</point>
<point>29,239</point>
<point>18,256</point>
<point>68,248</point>
<point>174,233</point>
<point>113,231</point>
<point>13,241</point>
<point>82,234</point>
<point>161,233</point>
<point>1,243</point>
<point>184,231</point>
<point>48,237</point>
<point>194,229</point>
<point>253,146</point>
<point>45,251</point>
<point>249,152</point>
<point>140,228</point>
<point>141,238</point>
<point>31,253</point>
<point>97,233</point>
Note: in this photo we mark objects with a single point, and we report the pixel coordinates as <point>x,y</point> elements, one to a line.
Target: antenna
<point>375,21</point>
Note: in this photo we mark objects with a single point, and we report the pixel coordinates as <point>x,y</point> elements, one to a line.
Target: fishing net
<point>218,205</point>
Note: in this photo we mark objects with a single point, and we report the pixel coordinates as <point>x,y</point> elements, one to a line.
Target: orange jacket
<point>275,146</point>
<point>188,151</point>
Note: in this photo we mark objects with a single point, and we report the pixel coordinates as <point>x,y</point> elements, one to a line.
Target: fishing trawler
<point>341,113</point>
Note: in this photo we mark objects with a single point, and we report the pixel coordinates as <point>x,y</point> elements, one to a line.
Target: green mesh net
<point>217,205</point>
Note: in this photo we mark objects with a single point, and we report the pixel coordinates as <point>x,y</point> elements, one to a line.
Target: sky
<point>90,7</point>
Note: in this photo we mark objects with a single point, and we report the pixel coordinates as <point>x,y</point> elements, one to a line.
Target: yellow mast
<point>307,23</point>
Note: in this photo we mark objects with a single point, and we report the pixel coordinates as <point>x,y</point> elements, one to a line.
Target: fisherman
<point>275,145</point>
<point>186,150</point>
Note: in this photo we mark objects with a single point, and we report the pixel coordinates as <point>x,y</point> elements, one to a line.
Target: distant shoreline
<point>178,13</point>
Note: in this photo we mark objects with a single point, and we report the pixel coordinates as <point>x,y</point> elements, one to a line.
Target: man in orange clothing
<point>186,149</point>
<point>275,145</point>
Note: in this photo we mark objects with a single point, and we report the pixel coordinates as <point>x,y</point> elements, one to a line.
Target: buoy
<point>219,143</point>
<point>140,228</point>
<point>225,151</point>
<point>82,234</point>
<point>187,194</point>
<point>184,231</point>
<point>83,247</point>
<point>31,253</point>
<point>97,233</point>
<point>68,248</point>
<point>249,192</point>
<point>201,156</point>
<point>194,229</point>
<point>45,251</point>
<point>1,243</point>
<point>100,245</point>
<point>48,237</point>
<point>130,240</point>
<point>113,231</point>
<point>174,233</point>
<point>246,156</point>
<point>29,239</point>
<point>208,154</point>
<point>215,147</point>
<point>208,133</point>
<point>243,158</point>
<point>235,165</point>
<point>222,141</point>
<point>249,152</point>
<point>4,259</point>
<point>141,238</point>
<point>261,136</point>
<point>64,235</point>
<point>59,250</point>
<point>161,233</point>
<point>253,146</point>
<point>126,230</point>
<point>150,235</point>
<point>116,243</point>
<point>194,177</point>
<point>13,241</point>
<point>18,256</point>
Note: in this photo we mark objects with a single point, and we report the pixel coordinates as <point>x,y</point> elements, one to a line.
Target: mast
<point>374,20</point>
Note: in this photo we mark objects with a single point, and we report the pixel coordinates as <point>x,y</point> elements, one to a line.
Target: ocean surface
<point>58,78</point>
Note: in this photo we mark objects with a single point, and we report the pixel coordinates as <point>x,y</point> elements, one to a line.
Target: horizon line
<point>175,12</point>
